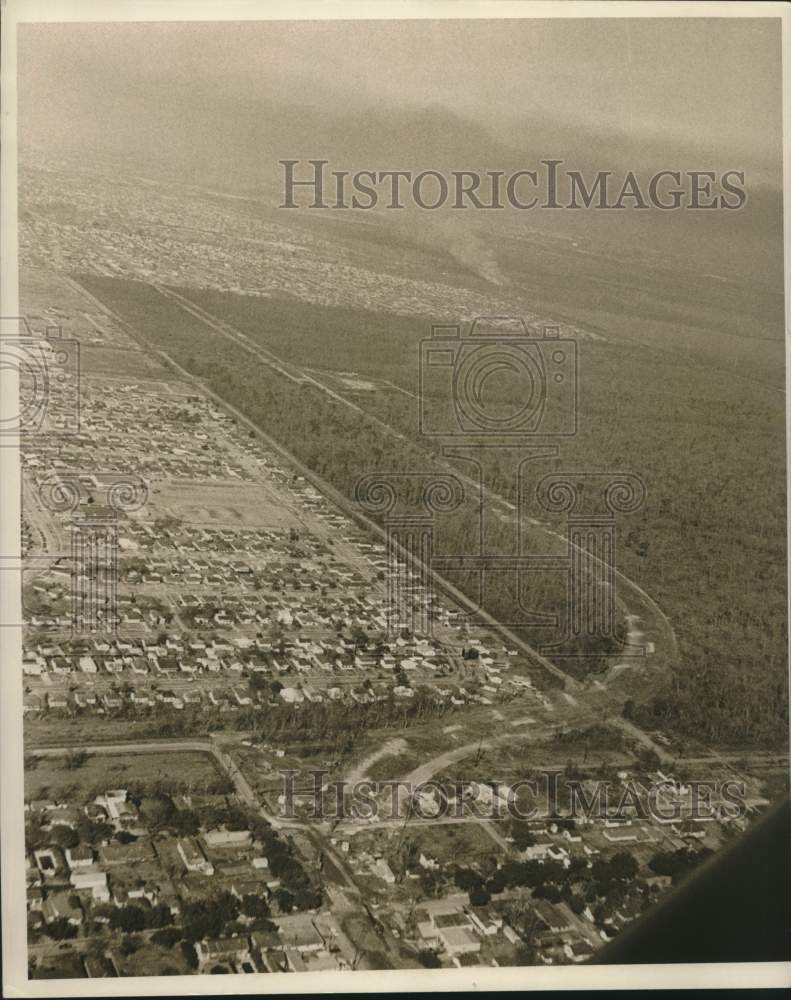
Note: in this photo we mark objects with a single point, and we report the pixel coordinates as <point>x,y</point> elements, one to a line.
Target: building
<point>299,933</point>
<point>551,916</point>
<point>291,695</point>
<point>223,950</point>
<point>538,851</point>
<point>93,880</point>
<point>79,857</point>
<point>383,870</point>
<point>458,941</point>
<point>228,838</point>
<point>193,857</point>
<point>59,905</point>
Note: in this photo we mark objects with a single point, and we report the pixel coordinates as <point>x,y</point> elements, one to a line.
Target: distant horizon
<point>640,86</point>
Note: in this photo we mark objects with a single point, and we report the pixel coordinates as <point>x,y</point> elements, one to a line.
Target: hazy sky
<point>709,80</point>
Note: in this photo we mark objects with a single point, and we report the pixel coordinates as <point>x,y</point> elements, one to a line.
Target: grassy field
<point>393,766</point>
<point>232,505</point>
<point>51,777</point>
<point>55,731</point>
<point>460,843</point>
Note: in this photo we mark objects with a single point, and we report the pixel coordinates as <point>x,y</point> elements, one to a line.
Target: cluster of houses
<point>119,675</point>
<point>665,817</point>
<point>302,942</point>
<point>182,439</point>
<point>219,605</point>
<point>82,884</point>
<point>464,935</point>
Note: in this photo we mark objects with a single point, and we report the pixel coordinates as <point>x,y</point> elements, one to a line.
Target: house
<point>264,941</point>
<point>59,905</point>
<point>35,898</point>
<point>291,696</point>
<point>628,910</point>
<point>47,861</point>
<point>93,880</point>
<point>228,838</point>
<point>193,857</point>
<point>621,834</point>
<point>121,812</point>
<point>223,950</point>
<point>551,916</point>
<point>486,921</point>
<point>539,850</point>
<point>33,665</point>
<point>299,933</point>
<point>64,816</point>
<point>510,935</point>
<point>60,665</point>
<point>383,870</point>
<point>32,874</point>
<point>458,941</point>
<point>79,857</point>
<point>577,951</point>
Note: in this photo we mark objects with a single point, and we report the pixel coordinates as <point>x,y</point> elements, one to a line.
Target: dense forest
<point>708,544</point>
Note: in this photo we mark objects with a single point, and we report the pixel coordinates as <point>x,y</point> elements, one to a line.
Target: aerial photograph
<point>402,445</point>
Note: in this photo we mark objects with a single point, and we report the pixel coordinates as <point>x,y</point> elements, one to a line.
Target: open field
<point>463,843</point>
<point>51,777</point>
<point>223,504</point>
<point>393,766</point>
<point>458,843</point>
<point>58,731</point>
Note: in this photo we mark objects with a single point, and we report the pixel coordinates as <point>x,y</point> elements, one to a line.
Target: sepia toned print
<point>402,457</point>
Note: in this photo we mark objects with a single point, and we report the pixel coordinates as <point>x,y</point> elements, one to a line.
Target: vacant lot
<point>454,843</point>
<point>52,777</point>
<point>224,504</point>
<point>393,766</point>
